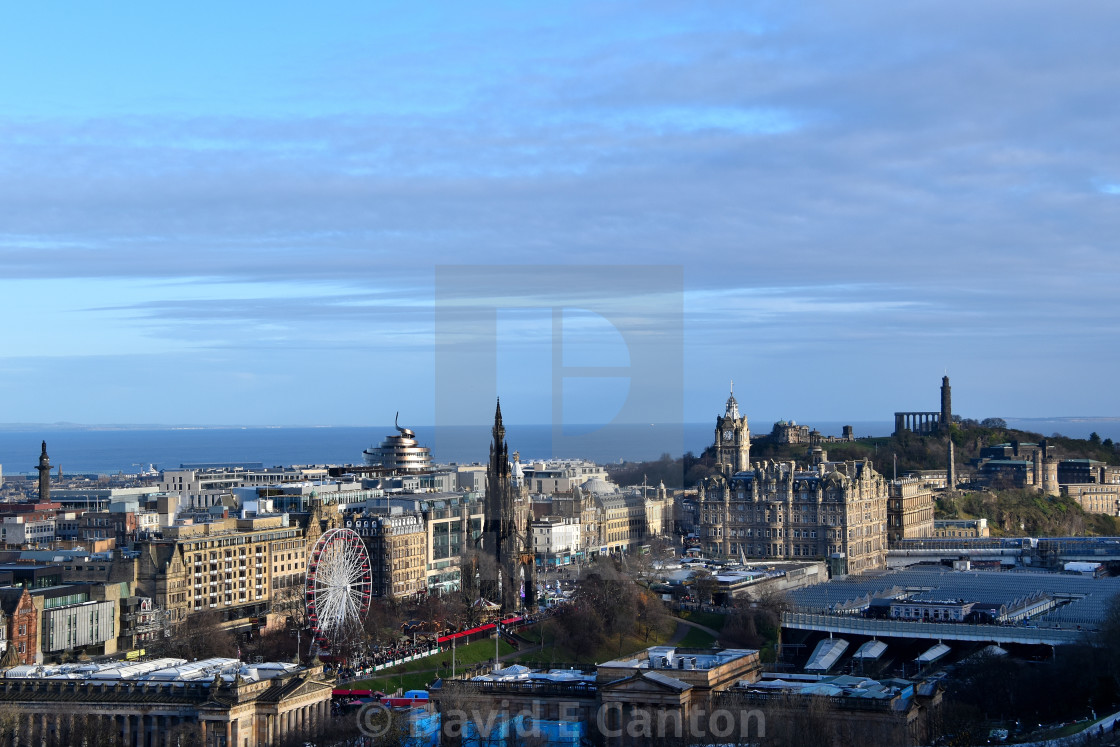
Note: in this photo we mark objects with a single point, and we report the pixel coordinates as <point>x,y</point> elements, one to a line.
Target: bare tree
<point>650,613</point>
<point>10,721</point>
<point>384,622</point>
<point>200,636</point>
<point>704,586</point>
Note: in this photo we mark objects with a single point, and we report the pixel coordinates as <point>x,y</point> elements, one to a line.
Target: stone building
<point>397,547</point>
<point>556,541</point>
<point>433,540</point>
<point>240,567</point>
<point>928,423</point>
<point>909,509</point>
<point>622,520</point>
<point>667,695</point>
<point>777,510</point>
<point>1095,498</point>
<point>789,432</point>
<point>580,506</point>
<point>733,439</point>
<point>167,702</point>
<point>1087,472</point>
<point>47,618</point>
<point>202,486</point>
<point>960,528</point>
<point>22,620</point>
<point>559,475</point>
<point>838,709</point>
<point>1023,465</point>
<point>1094,485</point>
<point>664,683</point>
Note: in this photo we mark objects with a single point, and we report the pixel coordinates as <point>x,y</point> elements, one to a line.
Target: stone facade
<point>622,521</point>
<point>733,439</point>
<point>960,528</point>
<point>909,509</point>
<point>397,547</point>
<point>1023,465</point>
<point>1095,498</point>
<point>668,695</point>
<point>776,510</point>
<point>790,433</point>
<point>856,711</point>
<point>928,423</point>
<point>210,712</point>
<point>23,629</point>
<point>236,566</point>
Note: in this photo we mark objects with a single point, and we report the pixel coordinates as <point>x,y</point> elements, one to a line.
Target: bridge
<point>1042,551</point>
<point>909,551</point>
<point>1094,549</point>
<point>880,628</point>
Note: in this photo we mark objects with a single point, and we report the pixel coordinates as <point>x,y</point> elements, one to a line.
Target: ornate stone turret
<point>733,438</point>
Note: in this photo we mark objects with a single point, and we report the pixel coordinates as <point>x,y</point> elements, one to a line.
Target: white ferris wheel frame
<point>338,583</point>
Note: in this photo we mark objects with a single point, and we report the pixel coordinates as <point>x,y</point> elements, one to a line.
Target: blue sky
<point>234,215</point>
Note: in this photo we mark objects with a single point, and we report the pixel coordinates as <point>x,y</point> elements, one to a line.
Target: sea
<point>111,450</point>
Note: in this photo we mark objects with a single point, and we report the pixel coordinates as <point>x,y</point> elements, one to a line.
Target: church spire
<point>732,410</point>
<point>499,431</point>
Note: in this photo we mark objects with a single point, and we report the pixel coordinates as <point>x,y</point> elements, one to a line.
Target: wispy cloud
<point>837,177</point>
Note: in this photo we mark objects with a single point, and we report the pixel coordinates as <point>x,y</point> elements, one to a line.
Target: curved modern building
<point>401,453</point>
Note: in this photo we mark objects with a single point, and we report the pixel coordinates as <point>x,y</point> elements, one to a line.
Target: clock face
<point>728,435</point>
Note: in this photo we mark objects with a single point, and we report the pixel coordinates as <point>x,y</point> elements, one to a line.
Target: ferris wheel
<point>339,584</point>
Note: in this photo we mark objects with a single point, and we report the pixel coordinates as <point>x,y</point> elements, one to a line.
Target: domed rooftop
<point>598,486</point>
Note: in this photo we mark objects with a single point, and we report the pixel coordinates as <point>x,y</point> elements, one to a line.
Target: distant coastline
<point>109,449</point>
<point>759,425</point>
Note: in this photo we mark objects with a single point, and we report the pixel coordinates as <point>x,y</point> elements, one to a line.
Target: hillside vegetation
<point>912,452</point>
<point>1009,512</point>
<point>1023,513</point>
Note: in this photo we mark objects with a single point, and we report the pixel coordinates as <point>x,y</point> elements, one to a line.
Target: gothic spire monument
<point>44,468</point>
<point>509,570</point>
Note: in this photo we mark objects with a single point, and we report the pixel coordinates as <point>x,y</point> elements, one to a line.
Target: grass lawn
<point>531,633</point>
<point>1058,732</point>
<point>416,675</point>
<point>713,620</point>
<point>551,653</point>
<point>696,638</point>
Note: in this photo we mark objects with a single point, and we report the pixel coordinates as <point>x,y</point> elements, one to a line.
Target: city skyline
<point>236,215</point>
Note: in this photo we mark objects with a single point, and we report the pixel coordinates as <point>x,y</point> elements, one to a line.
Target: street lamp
<point>497,640</point>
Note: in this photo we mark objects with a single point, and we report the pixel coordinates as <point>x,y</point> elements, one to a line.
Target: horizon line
<point>63,425</point>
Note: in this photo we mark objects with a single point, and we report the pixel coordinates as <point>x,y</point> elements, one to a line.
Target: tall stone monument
<point>44,468</point>
<point>508,575</point>
<point>946,418</point>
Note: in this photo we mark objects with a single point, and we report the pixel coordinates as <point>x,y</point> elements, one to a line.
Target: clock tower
<point>733,439</point>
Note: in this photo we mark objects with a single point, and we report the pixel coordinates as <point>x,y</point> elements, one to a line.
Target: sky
<point>237,214</point>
